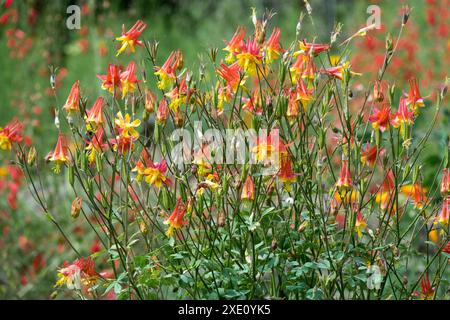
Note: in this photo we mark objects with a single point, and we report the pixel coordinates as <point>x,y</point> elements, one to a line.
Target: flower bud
<point>76,207</point>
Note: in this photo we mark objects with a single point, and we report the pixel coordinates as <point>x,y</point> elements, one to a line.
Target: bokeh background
<point>34,36</point>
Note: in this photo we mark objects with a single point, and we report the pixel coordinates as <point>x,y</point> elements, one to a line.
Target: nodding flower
<point>179,95</point>
<point>298,96</point>
<point>232,75</point>
<point>344,182</point>
<point>445,182</point>
<point>427,292</point>
<point>381,117</point>
<point>385,194</point>
<point>95,145</point>
<point>153,173</point>
<point>59,156</point>
<point>248,190</point>
<point>128,79</point>
<point>417,192</point>
<point>360,224</point>
<point>445,212</point>
<point>403,118</point>
<point>126,127</point>
<point>78,273</point>
<point>303,68</point>
<point>369,154</point>
<point>162,112</point>
<point>166,73</point>
<point>234,46</point>
<point>286,174</point>
<point>10,134</point>
<point>311,48</point>
<point>122,144</point>
<point>176,219</point>
<point>250,57</point>
<point>269,147</point>
<point>130,38</point>
<point>72,104</point>
<point>338,71</point>
<point>414,100</point>
<point>111,81</point>
<point>94,117</point>
<point>272,47</point>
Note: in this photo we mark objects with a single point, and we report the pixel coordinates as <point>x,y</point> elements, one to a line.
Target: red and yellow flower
<point>414,100</point>
<point>381,117</point>
<point>11,133</point>
<point>166,73</point>
<point>360,224</point>
<point>126,127</point>
<point>59,156</point>
<point>250,57</point>
<point>153,173</point>
<point>234,46</point>
<point>72,104</point>
<point>111,81</point>
<point>272,48</point>
<point>78,273</point>
<point>416,192</point>
<point>311,48</point>
<point>128,81</point>
<point>248,190</point>
<point>94,117</point>
<point>403,118</point>
<point>345,181</point>
<point>130,38</point>
<point>95,145</point>
<point>176,219</point>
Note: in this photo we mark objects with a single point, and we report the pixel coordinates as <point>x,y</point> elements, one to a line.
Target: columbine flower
<point>95,116</point>
<point>162,112</point>
<point>311,48</point>
<point>176,219</point>
<point>445,212</point>
<point>126,127</point>
<point>166,73</point>
<point>111,81</point>
<point>427,291</point>
<point>445,182</point>
<point>360,224</point>
<point>253,104</point>
<point>381,117</point>
<point>78,273</point>
<point>130,38</point>
<point>403,118</point>
<point>385,194</point>
<point>72,104</point>
<point>250,57</point>
<point>300,95</point>
<point>369,154</point>
<point>267,147</point>
<point>95,145</point>
<point>122,144</point>
<point>179,95</point>
<point>344,181</point>
<point>286,175</point>
<point>153,173</point>
<point>128,79</point>
<point>10,134</point>
<point>60,155</point>
<point>272,48</point>
<point>235,45</point>
<point>416,192</point>
<point>414,99</point>
<point>303,68</point>
<point>75,208</point>
<point>231,74</point>
<point>211,182</point>
<point>338,71</point>
<point>248,191</point>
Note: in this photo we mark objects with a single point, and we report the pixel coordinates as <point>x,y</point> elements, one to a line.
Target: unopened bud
<point>76,207</point>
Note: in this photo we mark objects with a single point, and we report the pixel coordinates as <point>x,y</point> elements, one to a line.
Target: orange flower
<point>153,173</point>
<point>445,212</point>
<point>60,155</point>
<point>414,99</point>
<point>338,71</point>
<point>122,144</point>
<point>312,48</point>
<point>235,45</point>
<point>268,146</point>
<point>179,95</point>
<point>378,91</point>
<point>298,96</point>
<point>231,74</point>
<point>286,174</point>
<point>73,100</point>
<point>176,219</point>
<point>10,134</point>
<point>445,182</point>
<point>303,68</point>
<point>344,182</point>
<point>111,81</point>
<point>384,196</point>
<point>369,154</point>
<point>130,38</point>
<point>166,73</point>
<point>416,192</point>
<point>273,49</point>
<point>95,145</point>
<point>360,224</point>
<point>248,191</point>
<point>95,116</point>
<point>128,79</point>
<point>254,103</point>
<point>403,118</point>
<point>250,57</point>
<point>381,117</point>
<point>162,112</point>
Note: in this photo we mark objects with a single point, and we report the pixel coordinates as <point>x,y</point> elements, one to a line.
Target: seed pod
<point>31,157</point>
